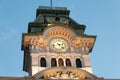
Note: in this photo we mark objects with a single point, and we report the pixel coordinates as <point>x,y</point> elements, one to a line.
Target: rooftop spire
<point>51,3</point>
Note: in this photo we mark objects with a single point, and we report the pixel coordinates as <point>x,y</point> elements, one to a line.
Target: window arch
<point>57,19</point>
<point>60,62</point>
<point>42,62</point>
<point>78,63</point>
<point>68,62</point>
<point>53,62</point>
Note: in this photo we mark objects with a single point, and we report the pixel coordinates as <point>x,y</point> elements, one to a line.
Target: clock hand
<point>62,47</point>
<point>58,44</point>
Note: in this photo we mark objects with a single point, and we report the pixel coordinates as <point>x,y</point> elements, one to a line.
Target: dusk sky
<point>102,18</point>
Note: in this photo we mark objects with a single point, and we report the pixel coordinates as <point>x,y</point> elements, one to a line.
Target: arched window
<point>78,63</point>
<point>43,62</point>
<point>53,62</point>
<point>60,61</point>
<point>68,62</point>
<point>57,19</point>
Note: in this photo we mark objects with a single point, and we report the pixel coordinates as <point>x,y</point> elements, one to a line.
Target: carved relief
<point>83,44</point>
<point>64,73</point>
<point>34,42</point>
<point>59,31</point>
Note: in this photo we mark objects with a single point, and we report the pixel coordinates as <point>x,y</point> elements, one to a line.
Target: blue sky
<point>102,18</point>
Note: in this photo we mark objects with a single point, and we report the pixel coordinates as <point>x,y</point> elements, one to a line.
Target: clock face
<point>59,45</point>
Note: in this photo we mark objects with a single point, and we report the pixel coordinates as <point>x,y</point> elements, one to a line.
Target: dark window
<point>60,61</point>
<point>43,62</point>
<point>57,19</point>
<point>68,62</point>
<point>78,63</point>
<point>53,62</point>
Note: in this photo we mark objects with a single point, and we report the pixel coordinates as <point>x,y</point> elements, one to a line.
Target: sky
<point>102,18</point>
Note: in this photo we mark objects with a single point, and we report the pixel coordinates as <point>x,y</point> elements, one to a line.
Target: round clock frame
<point>59,45</point>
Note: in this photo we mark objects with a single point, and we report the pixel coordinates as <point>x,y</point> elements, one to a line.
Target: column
<point>73,61</point>
<point>64,62</point>
<point>57,62</point>
<point>48,59</point>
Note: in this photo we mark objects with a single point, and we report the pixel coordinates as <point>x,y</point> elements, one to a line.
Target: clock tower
<point>56,46</point>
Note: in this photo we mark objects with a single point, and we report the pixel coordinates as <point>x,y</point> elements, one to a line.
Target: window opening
<point>68,62</point>
<point>53,62</point>
<point>43,62</point>
<point>60,61</point>
<point>78,63</point>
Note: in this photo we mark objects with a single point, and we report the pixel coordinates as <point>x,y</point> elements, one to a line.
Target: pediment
<point>64,73</point>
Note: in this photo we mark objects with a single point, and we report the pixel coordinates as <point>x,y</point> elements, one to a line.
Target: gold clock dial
<point>59,45</point>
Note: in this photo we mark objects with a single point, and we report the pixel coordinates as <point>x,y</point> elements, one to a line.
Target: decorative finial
<point>51,3</point>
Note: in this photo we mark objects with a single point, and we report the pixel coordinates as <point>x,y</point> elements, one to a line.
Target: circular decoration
<point>59,45</point>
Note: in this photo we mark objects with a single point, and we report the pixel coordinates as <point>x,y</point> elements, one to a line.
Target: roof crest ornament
<point>51,3</point>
